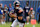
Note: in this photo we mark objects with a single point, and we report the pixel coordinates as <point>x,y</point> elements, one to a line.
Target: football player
<point>19,11</point>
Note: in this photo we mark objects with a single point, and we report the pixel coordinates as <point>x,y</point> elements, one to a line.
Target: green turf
<point>29,25</point>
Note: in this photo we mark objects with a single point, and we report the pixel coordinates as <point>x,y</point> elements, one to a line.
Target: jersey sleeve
<point>21,9</point>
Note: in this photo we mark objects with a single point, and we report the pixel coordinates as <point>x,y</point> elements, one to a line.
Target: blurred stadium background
<point>34,4</point>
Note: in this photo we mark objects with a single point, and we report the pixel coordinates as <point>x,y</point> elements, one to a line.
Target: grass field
<point>29,25</point>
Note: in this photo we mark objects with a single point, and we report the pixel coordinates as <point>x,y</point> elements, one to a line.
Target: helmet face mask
<point>17,6</point>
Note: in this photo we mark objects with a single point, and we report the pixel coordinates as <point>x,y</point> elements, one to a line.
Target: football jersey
<point>20,14</point>
<point>26,10</point>
<point>1,10</point>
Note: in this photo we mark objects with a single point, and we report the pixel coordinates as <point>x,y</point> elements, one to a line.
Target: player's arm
<point>21,10</point>
<point>29,13</point>
<point>12,15</point>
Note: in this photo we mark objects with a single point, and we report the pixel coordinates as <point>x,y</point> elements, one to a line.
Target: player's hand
<point>12,15</point>
<point>20,11</point>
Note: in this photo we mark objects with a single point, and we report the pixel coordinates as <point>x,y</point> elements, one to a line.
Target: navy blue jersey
<point>5,10</point>
<point>1,10</point>
<point>19,14</point>
<point>26,10</point>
